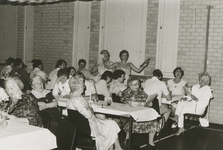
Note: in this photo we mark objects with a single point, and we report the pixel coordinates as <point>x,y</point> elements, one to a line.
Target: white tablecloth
<point>138,113</point>
<point>18,136</point>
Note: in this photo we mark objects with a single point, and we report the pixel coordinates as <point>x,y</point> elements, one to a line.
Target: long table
<point>17,136</point>
<point>139,114</point>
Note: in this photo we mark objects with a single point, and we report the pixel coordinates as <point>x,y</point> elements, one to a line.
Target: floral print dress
<point>138,127</point>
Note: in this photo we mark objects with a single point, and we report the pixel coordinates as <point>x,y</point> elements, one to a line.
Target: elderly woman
<point>61,86</point>
<point>46,101</point>
<point>21,106</point>
<point>104,131</point>
<point>196,102</point>
<point>125,65</point>
<point>134,96</point>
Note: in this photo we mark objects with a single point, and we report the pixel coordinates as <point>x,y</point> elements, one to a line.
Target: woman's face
<point>76,87</point>
<point>37,84</point>
<point>203,81</point>
<point>124,56</point>
<point>63,79</point>
<point>72,72</point>
<point>122,78</point>
<point>62,66</point>
<point>134,85</point>
<point>106,56</point>
<point>13,89</point>
<point>108,80</point>
<point>178,73</point>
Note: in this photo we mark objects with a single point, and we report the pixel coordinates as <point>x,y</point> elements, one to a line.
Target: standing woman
<point>21,106</point>
<point>125,65</point>
<point>100,68</point>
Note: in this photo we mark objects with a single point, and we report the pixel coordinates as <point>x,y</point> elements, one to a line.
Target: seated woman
<point>175,86</point>
<point>199,99</point>
<point>22,107</point>
<point>46,101</point>
<point>71,71</point>
<point>61,86</point>
<point>104,131</point>
<point>38,69</point>
<point>133,94</point>
<point>102,85</point>
<point>117,85</point>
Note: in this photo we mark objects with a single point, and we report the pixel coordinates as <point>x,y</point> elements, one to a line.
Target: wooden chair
<point>116,98</point>
<point>193,119</point>
<point>101,97</point>
<point>83,131</point>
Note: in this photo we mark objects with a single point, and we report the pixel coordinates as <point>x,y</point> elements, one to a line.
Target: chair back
<point>116,98</point>
<point>80,121</point>
<point>101,97</point>
<point>155,106</point>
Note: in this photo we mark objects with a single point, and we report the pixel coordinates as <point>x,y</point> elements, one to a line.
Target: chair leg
<point>73,138</point>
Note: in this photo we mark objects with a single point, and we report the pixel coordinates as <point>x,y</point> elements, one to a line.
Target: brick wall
<point>191,48</point>
<point>20,32</point>
<point>94,33</point>
<point>151,34</point>
<point>53,34</point>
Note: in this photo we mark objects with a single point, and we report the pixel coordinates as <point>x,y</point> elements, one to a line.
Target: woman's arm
<point>138,70</point>
<point>112,66</point>
<point>94,69</point>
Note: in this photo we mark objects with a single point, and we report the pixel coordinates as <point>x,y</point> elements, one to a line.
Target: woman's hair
<point>9,61</point>
<point>122,52</point>
<point>118,74</point>
<point>16,80</point>
<point>62,72</point>
<point>17,62</point>
<point>175,70</point>
<point>131,79</point>
<point>69,69</point>
<point>37,63</point>
<point>82,61</point>
<point>60,62</point>
<point>36,77</point>
<point>105,51</point>
<point>206,76</point>
<point>106,74</point>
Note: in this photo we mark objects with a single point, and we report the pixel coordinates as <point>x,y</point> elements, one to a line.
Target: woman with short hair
<point>23,107</point>
<point>104,131</point>
<point>196,101</point>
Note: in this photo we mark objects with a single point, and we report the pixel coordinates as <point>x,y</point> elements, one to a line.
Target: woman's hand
<point>42,105</point>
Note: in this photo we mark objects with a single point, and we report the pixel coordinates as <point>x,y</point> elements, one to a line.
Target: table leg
<point>130,132</point>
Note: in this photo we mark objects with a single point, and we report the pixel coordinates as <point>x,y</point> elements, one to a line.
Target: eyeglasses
<point>136,84</point>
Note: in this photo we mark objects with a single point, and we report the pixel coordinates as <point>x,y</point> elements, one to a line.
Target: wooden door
<point>167,36</point>
<point>123,26</point>
<point>82,18</point>
<point>8,32</point>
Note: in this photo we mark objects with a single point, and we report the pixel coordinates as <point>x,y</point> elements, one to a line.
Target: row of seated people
<point>151,86</point>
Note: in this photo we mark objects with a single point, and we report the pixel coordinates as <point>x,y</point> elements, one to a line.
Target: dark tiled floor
<point>196,138</point>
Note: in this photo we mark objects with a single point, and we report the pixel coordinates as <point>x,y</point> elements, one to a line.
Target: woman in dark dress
<point>46,101</point>
<point>21,107</point>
